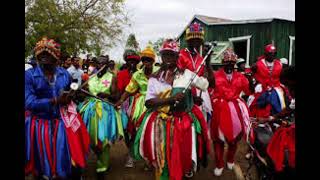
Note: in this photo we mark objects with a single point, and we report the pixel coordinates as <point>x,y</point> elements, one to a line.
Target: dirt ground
<point>119,172</point>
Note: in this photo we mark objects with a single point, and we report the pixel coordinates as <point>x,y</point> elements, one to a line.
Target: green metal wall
<point>281,30</point>
<point>262,34</point>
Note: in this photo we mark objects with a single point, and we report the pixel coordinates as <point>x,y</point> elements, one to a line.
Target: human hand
<point>197,100</point>
<point>178,97</point>
<point>63,99</point>
<point>102,95</point>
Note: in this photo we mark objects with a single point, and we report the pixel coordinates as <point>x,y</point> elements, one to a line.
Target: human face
<point>147,62</point>
<point>242,67</point>
<point>285,65</point>
<point>46,61</point>
<point>101,61</point>
<point>100,64</point>
<point>68,62</point>
<point>270,56</point>
<point>169,59</point>
<point>194,43</point>
<point>229,67</point>
<point>132,64</point>
<point>111,64</point>
<point>75,62</point>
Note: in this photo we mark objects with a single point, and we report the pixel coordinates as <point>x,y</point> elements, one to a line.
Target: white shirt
<point>155,87</point>
<point>27,66</point>
<point>75,73</point>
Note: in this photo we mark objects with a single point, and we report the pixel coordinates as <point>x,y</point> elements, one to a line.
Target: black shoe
<point>100,175</point>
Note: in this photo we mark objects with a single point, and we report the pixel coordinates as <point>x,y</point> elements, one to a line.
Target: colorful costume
<point>172,140</point>
<point>137,89</point>
<point>124,77</point>
<point>268,98</point>
<point>138,86</point>
<point>103,122</point>
<point>55,136</point>
<point>230,113</point>
<point>187,61</point>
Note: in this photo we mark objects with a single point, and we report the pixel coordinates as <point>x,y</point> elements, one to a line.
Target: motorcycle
<point>263,139</point>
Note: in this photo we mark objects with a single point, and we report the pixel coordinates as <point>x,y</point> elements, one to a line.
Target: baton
<point>75,87</point>
<point>97,97</point>
<point>198,69</point>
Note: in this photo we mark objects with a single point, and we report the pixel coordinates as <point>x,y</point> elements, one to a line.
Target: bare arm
<point>123,97</point>
<point>157,102</point>
<point>210,76</point>
<point>254,68</point>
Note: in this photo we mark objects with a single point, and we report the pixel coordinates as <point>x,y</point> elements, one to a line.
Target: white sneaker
<point>230,165</point>
<point>129,163</point>
<point>218,171</point>
<point>248,156</point>
<point>189,174</point>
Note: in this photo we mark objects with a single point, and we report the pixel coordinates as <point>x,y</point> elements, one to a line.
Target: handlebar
<point>271,119</point>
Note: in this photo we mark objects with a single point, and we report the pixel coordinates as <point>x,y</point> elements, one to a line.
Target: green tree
<point>80,26</point>
<point>157,45</point>
<point>132,43</point>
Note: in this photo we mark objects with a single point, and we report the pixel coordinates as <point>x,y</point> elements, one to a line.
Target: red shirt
<point>229,90</point>
<point>264,76</point>
<point>186,61</point>
<point>247,71</point>
<point>123,79</point>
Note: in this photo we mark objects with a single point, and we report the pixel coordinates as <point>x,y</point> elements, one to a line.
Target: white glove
<point>258,88</point>
<point>201,83</point>
<point>182,80</point>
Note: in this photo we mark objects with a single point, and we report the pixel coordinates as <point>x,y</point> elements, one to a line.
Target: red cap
<point>270,48</point>
<point>170,45</point>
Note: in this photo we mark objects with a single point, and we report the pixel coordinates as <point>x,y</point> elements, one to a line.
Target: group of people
<point>168,114</point>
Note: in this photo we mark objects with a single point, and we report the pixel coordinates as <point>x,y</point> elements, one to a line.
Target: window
<point>216,57</point>
<point>292,50</point>
<point>241,46</point>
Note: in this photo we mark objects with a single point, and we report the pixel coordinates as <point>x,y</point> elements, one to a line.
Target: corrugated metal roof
<point>210,20</point>
<point>247,21</point>
<point>220,21</point>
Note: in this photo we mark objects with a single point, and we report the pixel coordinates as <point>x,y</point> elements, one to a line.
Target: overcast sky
<point>153,19</point>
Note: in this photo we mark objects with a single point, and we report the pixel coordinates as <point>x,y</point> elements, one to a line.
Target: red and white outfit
<point>230,113</point>
<point>186,61</point>
<point>268,78</point>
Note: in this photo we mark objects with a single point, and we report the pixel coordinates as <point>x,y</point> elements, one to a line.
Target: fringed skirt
<point>230,119</point>
<point>172,143</point>
<point>52,148</point>
<point>137,108</point>
<point>104,123</point>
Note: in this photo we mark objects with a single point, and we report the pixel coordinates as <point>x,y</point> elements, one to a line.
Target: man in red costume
<point>268,98</point>
<point>230,113</point>
<point>190,58</point>
<point>123,78</point>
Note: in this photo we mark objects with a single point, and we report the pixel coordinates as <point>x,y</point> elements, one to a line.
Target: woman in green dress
<point>137,88</point>
<point>103,121</point>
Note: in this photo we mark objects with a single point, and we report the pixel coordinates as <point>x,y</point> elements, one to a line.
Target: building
<point>247,37</point>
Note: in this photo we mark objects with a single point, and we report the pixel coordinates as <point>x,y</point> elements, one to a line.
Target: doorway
<point>241,46</point>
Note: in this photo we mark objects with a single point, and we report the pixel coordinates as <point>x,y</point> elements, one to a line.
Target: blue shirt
<point>38,91</point>
<point>75,73</point>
